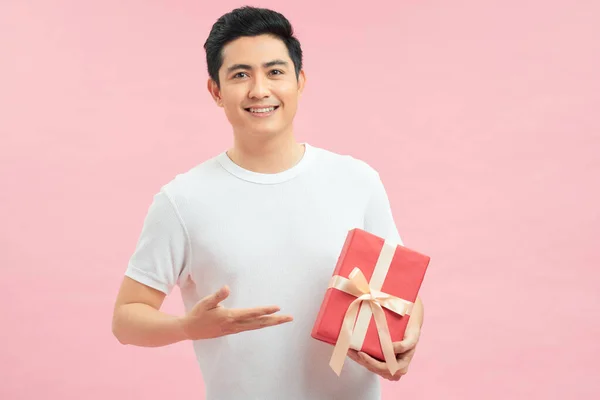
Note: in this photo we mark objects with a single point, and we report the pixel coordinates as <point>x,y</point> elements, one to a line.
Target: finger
<point>375,365</point>
<point>381,369</point>
<point>404,361</point>
<point>406,356</point>
<point>409,342</point>
<point>252,313</point>
<point>353,354</point>
<point>262,322</point>
<point>213,300</point>
<point>399,374</point>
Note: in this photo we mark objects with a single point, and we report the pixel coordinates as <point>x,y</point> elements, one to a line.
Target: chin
<point>264,131</point>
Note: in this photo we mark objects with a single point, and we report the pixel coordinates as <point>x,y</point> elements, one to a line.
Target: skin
<point>405,349</point>
<point>256,72</point>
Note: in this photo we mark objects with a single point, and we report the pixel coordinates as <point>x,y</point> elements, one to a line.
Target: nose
<point>259,89</point>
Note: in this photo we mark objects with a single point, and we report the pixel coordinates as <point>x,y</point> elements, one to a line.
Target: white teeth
<point>262,110</point>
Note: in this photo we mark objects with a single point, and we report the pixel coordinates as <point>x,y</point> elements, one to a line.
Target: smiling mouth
<point>261,110</point>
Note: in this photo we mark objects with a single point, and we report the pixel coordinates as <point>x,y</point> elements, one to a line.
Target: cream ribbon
<point>357,285</point>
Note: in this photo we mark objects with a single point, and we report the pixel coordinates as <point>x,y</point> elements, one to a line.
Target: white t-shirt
<point>275,240</point>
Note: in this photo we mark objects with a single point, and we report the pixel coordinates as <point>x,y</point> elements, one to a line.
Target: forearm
<point>141,325</point>
<point>416,317</point>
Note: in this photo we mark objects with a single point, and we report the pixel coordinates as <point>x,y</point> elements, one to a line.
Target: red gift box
<point>390,270</point>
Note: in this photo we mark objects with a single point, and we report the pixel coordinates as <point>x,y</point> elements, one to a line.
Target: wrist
<point>181,327</point>
<point>415,322</point>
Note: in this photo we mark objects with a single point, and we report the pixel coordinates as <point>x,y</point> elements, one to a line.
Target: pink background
<point>482,118</point>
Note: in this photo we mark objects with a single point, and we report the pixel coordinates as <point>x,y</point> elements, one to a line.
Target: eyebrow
<point>247,67</point>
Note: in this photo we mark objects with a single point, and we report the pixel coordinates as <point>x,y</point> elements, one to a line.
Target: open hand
<point>209,319</point>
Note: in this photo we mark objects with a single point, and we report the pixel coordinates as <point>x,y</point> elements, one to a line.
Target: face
<point>259,90</point>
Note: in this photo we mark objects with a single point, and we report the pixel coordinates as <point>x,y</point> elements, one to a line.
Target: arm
<point>154,269</point>
<point>415,321</point>
<point>138,321</point>
<point>160,260</point>
<point>380,221</point>
<point>137,318</point>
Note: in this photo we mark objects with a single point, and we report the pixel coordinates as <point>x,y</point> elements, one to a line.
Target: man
<point>254,231</point>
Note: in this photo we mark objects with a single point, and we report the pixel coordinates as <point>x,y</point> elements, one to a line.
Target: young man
<point>254,231</point>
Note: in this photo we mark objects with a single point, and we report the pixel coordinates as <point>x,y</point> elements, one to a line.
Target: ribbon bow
<point>357,285</point>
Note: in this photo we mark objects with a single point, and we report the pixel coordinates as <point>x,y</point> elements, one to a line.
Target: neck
<point>267,156</point>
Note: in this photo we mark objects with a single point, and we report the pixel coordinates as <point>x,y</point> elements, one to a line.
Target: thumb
<point>410,340</point>
<point>213,300</point>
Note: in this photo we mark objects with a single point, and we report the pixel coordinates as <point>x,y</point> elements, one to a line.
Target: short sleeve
<point>162,250</point>
<point>379,219</point>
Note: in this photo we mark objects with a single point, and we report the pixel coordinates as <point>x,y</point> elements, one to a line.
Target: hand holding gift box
<point>370,297</point>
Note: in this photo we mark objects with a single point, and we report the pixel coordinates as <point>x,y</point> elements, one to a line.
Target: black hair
<point>249,21</point>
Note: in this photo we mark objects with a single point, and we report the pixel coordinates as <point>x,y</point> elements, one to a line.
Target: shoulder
<point>194,182</point>
<point>346,164</point>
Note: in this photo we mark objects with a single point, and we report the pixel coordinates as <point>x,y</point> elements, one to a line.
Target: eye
<point>240,75</point>
<point>276,72</point>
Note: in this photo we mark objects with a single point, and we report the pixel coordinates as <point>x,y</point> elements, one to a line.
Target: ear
<point>301,82</point>
<point>215,92</point>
